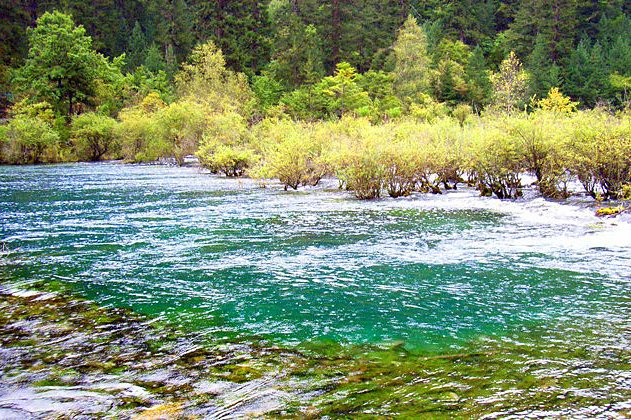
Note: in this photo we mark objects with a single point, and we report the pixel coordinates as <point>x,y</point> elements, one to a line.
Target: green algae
<point>344,380</point>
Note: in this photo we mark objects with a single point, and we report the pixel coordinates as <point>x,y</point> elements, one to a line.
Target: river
<point>229,261</point>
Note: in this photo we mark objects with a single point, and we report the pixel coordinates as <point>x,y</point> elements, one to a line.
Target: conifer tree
<point>411,69</point>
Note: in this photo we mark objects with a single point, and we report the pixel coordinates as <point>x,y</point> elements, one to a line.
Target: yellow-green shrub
<point>542,139</point>
<point>30,136</point>
<point>291,153</point>
<point>225,145</point>
<point>93,136</point>
<point>496,163</point>
<point>178,130</point>
<point>137,128</point>
<point>600,154</point>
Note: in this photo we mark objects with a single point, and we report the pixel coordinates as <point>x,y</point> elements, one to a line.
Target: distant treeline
<point>377,132</point>
<point>427,112</point>
<point>581,46</point>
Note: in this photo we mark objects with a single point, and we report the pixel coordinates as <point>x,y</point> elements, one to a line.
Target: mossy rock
<point>609,211</point>
<point>162,411</point>
<point>241,373</point>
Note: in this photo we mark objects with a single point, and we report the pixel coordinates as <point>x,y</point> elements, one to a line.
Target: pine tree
<point>241,28</point>
<point>137,49</point>
<point>479,86</point>
<point>296,52</point>
<point>544,72</point>
<point>554,21</point>
<point>586,74</point>
<point>411,70</point>
<point>175,30</point>
<point>154,61</point>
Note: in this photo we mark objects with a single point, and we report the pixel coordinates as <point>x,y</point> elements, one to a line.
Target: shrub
<point>224,147</point>
<point>93,136</point>
<point>137,129</point>
<point>541,139</point>
<point>30,135</point>
<point>232,161</point>
<point>178,130</point>
<point>357,157</point>
<point>496,163</point>
<point>291,153</point>
<point>601,154</point>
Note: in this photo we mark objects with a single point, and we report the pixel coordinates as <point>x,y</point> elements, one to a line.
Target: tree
<point>411,62</point>
<point>477,77</point>
<point>296,51</point>
<point>29,135</point>
<point>447,78</point>
<point>586,74</point>
<point>174,29</point>
<point>510,85</point>
<point>154,61</point>
<point>205,79</point>
<point>137,49</point>
<point>557,102</point>
<point>268,91</point>
<point>239,27</point>
<point>544,72</point>
<point>344,92</point>
<point>554,21</point>
<point>62,68</point>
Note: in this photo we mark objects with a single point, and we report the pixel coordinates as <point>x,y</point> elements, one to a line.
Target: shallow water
<point>227,258</point>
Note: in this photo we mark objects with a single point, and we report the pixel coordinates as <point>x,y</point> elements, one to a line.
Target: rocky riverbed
<point>62,357</point>
<point>66,357</point>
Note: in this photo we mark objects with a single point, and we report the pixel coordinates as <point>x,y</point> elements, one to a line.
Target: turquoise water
<point>226,258</point>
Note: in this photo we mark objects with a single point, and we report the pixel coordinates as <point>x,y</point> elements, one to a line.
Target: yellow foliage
<point>557,102</point>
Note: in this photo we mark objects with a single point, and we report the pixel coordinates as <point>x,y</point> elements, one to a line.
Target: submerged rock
<point>65,357</point>
<point>609,211</point>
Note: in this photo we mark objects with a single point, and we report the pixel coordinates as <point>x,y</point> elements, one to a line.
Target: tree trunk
<point>336,29</point>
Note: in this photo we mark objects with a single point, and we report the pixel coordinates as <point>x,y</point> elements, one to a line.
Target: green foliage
<point>600,155</point>
<point>268,91</point>
<point>154,61</point>
<point>137,49</point>
<point>291,153</point>
<point>178,130</point>
<point>510,86</point>
<point>477,77</point>
<point>411,62</point>
<point>297,56</point>
<point>206,80</point>
<point>427,109</point>
<point>137,128</point>
<point>495,163</point>
<point>544,74</point>
<point>61,67</point>
<point>461,113</point>
<point>343,92</point>
<point>230,161</point>
<point>586,74</point>
<point>542,142</point>
<point>93,136</point>
<point>386,104</point>
<point>238,27</point>
<point>448,77</point>
<point>557,102</point>
<point>225,145</point>
<point>30,135</point>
